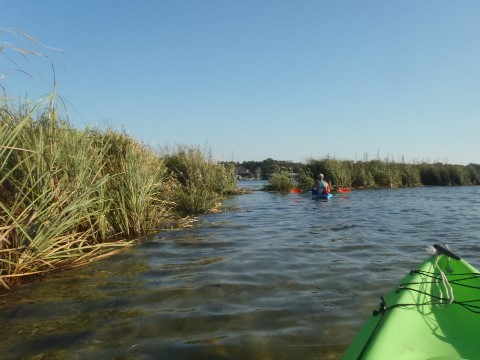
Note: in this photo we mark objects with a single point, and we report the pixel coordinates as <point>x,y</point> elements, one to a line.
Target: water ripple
<point>283,277</point>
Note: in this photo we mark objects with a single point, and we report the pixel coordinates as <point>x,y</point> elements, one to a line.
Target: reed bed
<point>390,174</point>
<point>69,197</point>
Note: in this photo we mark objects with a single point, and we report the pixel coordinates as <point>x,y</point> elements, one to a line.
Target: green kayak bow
<point>434,313</point>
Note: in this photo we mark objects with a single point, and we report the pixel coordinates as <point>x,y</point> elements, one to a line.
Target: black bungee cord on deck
<point>382,310</point>
<point>436,300</point>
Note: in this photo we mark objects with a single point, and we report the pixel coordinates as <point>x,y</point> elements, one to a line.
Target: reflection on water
<point>282,277</point>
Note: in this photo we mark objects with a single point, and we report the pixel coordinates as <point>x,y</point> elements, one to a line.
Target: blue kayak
<point>316,195</point>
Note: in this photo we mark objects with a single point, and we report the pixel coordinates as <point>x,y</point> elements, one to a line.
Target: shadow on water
<point>282,277</point>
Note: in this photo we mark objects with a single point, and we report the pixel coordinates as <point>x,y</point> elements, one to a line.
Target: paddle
<point>343,190</point>
<point>295,191</point>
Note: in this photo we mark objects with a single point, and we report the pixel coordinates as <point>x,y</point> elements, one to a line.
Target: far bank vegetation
<point>377,173</point>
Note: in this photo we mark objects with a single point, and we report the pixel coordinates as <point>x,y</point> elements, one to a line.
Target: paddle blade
<point>295,191</point>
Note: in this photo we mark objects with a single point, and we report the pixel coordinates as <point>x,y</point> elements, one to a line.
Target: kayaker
<point>321,186</point>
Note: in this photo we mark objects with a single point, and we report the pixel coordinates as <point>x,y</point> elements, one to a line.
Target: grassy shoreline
<point>70,197</point>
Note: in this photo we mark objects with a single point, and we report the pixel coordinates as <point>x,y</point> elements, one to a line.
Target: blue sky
<point>257,79</point>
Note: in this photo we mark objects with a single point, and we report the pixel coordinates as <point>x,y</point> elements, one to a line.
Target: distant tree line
<point>266,168</point>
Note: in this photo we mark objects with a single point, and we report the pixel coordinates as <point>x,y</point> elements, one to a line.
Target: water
<point>282,277</point>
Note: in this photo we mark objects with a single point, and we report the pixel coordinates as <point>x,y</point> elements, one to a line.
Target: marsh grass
<point>280,181</point>
<point>200,182</point>
<point>69,197</point>
<point>389,174</point>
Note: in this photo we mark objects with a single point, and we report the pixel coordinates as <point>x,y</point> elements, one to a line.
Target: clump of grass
<point>305,180</point>
<point>137,200</point>
<point>49,215</point>
<point>280,181</point>
<point>69,197</point>
<point>202,183</point>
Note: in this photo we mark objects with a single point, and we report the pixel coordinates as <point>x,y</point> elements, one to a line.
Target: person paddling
<point>321,186</point>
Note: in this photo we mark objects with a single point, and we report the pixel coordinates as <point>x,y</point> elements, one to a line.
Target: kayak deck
<point>422,320</point>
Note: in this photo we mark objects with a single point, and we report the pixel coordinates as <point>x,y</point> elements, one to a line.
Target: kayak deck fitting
<point>433,314</point>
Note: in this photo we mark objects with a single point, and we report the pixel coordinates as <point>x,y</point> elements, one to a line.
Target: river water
<point>281,277</point>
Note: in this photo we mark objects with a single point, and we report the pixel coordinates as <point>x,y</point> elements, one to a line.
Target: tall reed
<point>47,214</point>
<point>68,197</point>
